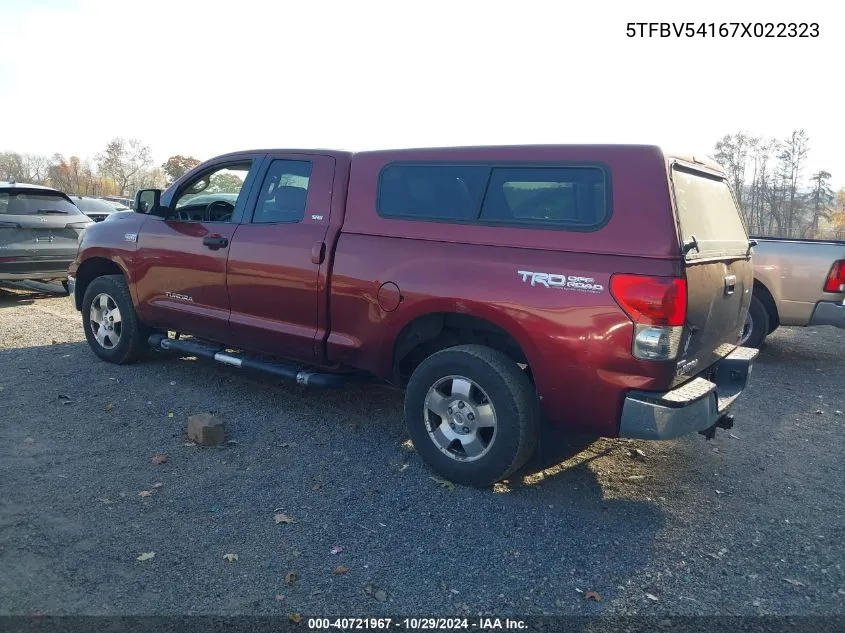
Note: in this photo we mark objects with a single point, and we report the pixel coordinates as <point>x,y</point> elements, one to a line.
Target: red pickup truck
<point>597,288</point>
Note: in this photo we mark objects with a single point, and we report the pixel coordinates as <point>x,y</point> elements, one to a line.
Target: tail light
<point>658,308</point>
<point>836,279</point>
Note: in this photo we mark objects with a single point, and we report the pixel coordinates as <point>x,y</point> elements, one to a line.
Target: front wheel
<point>112,327</point>
<point>472,414</point>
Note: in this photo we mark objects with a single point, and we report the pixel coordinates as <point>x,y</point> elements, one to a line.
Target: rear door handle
<point>215,241</point>
<point>730,285</point>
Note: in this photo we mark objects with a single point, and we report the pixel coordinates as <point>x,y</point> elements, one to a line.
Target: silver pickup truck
<point>797,283</point>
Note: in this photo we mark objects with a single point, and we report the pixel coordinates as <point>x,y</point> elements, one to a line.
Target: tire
<point>124,344</point>
<point>758,325</point>
<point>440,382</point>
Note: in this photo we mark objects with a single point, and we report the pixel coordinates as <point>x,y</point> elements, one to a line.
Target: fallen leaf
<point>408,445</point>
<point>819,412</point>
<point>283,518</point>
<point>230,557</point>
<point>63,397</point>
<point>337,549</point>
<point>55,342</point>
<point>380,595</point>
<point>279,597</point>
<point>837,412</point>
<point>145,493</point>
<point>159,459</point>
<point>636,453</point>
<point>443,482</point>
<point>157,485</point>
<point>593,595</point>
<point>720,492</point>
<point>294,617</point>
<point>146,556</point>
<point>404,467</point>
<point>109,407</point>
<point>651,596</point>
<point>170,414</point>
<point>340,569</point>
<point>172,383</point>
<point>29,440</point>
<point>290,578</point>
<point>797,583</point>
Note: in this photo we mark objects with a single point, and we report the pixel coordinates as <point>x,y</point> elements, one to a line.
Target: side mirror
<point>148,201</point>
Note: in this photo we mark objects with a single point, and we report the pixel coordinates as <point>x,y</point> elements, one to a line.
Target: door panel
<point>181,261</point>
<point>181,282</point>
<point>275,259</point>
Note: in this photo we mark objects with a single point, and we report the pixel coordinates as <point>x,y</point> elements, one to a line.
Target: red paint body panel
<point>271,290</point>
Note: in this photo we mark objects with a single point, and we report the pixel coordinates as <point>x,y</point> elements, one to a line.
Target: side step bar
<point>219,354</point>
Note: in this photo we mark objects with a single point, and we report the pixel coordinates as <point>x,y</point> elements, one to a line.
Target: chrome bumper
<point>829,313</point>
<point>694,406</point>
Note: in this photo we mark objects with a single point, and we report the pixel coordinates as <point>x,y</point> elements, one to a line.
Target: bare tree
<point>123,160</point>
<point>793,155</point>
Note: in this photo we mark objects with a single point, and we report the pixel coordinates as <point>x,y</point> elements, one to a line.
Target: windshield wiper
<point>52,211</point>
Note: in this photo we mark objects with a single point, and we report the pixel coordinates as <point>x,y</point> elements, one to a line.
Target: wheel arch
<point>92,268</point>
<point>430,331</point>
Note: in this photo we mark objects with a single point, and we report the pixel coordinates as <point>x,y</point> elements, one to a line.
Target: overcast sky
<point>201,78</point>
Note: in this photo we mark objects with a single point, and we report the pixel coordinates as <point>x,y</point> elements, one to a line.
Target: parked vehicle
<point>796,282</point>
<point>39,232</point>
<point>595,288</point>
<point>95,208</point>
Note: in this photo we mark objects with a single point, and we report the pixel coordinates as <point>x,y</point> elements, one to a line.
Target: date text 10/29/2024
<point>723,29</point>
<point>417,624</point>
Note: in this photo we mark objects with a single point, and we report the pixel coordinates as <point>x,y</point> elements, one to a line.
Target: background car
<point>97,209</point>
<point>40,229</point>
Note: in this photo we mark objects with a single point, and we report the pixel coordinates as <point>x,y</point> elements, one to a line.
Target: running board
<point>219,354</point>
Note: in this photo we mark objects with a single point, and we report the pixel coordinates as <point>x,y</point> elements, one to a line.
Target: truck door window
<point>284,192</point>
<point>212,196</point>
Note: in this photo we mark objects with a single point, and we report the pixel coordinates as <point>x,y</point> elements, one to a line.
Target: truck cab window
<point>284,192</point>
<point>212,196</point>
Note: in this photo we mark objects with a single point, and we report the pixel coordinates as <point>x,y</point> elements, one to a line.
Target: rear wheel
<point>112,327</point>
<point>757,324</point>
<point>472,414</point>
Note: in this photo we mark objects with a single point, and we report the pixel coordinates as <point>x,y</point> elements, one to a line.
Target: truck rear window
<point>708,213</point>
<point>561,197</point>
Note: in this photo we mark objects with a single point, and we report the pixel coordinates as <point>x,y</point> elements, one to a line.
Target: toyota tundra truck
<point>596,288</point>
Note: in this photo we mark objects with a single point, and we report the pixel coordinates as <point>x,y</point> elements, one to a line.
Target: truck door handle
<point>730,285</point>
<point>318,253</point>
<point>215,241</point>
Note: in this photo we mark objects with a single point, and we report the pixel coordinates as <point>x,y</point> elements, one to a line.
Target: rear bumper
<point>695,406</point>
<point>36,268</point>
<point>829,313</point>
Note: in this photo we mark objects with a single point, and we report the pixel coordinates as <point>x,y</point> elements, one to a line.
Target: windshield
<point>708,213</point>
<point>35,202</point>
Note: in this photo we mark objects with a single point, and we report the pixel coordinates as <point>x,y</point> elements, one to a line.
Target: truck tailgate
<point>718,267</point>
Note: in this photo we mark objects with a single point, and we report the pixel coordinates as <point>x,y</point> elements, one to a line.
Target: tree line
<point>120,169</point>
<point>775,194</point>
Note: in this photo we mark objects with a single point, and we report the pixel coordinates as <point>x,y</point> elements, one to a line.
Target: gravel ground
<point>750,523</point>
